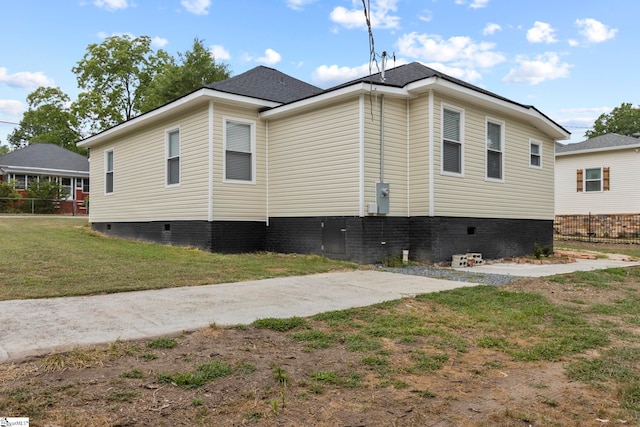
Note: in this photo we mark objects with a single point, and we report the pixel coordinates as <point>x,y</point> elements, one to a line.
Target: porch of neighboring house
<point>76,190</point>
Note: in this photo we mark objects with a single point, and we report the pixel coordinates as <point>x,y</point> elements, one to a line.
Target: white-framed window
<point>239,150</point>
<point>535,154</point>
<point>452,137</point>
<point>82,184</point>
<point>173,156</point>
<point>495,149</point>
<point>593,179</point>
<point>20,181</point>
<point>109,163</point>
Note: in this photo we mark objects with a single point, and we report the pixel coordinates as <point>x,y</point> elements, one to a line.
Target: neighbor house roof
<point>268,84</point>
<point>608,142</point>
<point>44,159</point>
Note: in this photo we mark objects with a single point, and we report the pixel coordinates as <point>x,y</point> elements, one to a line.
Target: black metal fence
<point>622,228</point>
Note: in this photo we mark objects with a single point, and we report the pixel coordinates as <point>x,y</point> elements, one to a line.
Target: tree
<point>113,76</point>
<point>197,68</point>
<point>623,120</point>
<point>4,149</point>
<point>47,119</point>
<point>8,196</point>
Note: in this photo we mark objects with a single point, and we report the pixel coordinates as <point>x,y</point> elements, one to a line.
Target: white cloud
<point>270,57</point>
<point>595,31</point>
<point>573,42</point>
<point>541,32</point>
<point>11,107</point>
<point>491,28</point>
<point>459,51</point>
<point>543,67</point>
<point>298,4</point>
<point>103,35</point>
<point>426,16</point>
<point>475,4</point>
<point>111,5</point>
<point>159,42</point>
<point>380,15</point>
<point>329,75</point>
<point>219,52</point>
<point>197,7</point>
<point>25,79</point>
<point>466,74</point>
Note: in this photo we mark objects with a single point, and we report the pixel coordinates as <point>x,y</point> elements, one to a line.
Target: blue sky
<point>573,60</point>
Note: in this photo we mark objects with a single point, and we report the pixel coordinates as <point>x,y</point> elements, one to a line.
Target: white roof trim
<point>185,101</point>
<point>599,150</point>
<point>333,96</point>
<point>42,171</point>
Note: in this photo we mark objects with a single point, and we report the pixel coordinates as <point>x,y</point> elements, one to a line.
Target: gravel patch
<point>451,274</point>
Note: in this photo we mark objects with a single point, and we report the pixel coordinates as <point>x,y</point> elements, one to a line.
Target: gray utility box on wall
<point>382,197</point>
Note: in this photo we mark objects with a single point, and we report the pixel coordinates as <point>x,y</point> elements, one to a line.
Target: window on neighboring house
<point>495,150</point>
<point>239,151</point>
<point>108,167</point>
<point>173,157</point>
<point>535,154</point>
<point>65,183</point>
<point>32,180</point>
<point>593,179</point>
<point>451,141</point>
<point>20,181</point>
<point>85,185</point>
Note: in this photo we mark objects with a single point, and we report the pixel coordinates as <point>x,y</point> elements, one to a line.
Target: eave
<point>599,150</point>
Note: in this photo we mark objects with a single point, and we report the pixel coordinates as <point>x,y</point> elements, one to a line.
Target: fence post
<point>589,227</point>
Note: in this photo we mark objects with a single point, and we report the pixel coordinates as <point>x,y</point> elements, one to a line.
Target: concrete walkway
<point>38,326</point>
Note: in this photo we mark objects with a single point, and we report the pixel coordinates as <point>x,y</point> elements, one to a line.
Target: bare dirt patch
<point>274,379</point>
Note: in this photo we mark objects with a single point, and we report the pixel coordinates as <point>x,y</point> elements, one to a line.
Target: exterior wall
<point>395,167</point>
<point>419,156</point>
<point>623,196</point>
<point>238,201</point>
<point>314,162</point>
<point>525,193</point>
<point>140,191</point>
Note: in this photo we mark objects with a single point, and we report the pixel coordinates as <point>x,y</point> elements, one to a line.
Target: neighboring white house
<point>598,176</point>
<point>596,190</point>
<point>411,159</point>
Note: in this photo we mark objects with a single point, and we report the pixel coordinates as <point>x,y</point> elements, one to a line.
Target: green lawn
<point>56,256</point>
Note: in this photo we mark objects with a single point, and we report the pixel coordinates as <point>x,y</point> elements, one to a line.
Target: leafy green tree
<point>196,68</point>
<point>8,196</point>
<point>4,149</point>
<point>47,195</point>
<point>113,76</point>
<point>48,119</point>
<point>623,120</point>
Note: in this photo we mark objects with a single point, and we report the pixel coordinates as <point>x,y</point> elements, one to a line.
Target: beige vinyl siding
<point>314,162</point>
<point>238,201</point>
<point>395,152</point>
<point>140,191</point>
<point>525,193</point>
<point>419,155</point>
<point>623,195</point>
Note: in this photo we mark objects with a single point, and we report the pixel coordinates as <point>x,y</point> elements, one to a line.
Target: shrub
<point>47,195</point>
<point>8,196</point>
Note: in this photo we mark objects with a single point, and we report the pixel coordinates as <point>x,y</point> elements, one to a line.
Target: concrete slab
<point>536,270</point>
<point>38,326</point>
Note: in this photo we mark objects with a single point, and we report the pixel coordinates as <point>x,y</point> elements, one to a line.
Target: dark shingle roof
<point>45,156</point>
<point>268,84</point>
<point>603,142</point>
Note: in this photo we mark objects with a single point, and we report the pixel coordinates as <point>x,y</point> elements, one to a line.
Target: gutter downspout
<point>210,190</point>
<point>361,143</point>
<point>431,150</point>
<point>381,138</point>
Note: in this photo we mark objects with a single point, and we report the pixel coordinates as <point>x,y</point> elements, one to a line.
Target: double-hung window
<point>173,157</point>
<point>495,150</point>
<point>593,179</point>
<point>239,150</point>
<point>452,140</point>
<point>108,174</point>
<point>535,154</point>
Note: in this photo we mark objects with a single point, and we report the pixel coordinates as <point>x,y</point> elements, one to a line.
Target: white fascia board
<point>332,97</point>
<point>599,150</point>
<point>44,171</point>
<point>530,115</point>
<point>203,94</point>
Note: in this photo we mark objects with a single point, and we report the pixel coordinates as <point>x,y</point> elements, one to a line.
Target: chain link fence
<point>26,205</point>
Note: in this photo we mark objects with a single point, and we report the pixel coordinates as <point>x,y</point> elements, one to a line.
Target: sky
<point>572,59</point>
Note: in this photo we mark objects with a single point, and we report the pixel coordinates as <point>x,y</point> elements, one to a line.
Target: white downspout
<point>431,150</point>
<point>361,146</point>
<point>210,190</point>
<point>267,167</point>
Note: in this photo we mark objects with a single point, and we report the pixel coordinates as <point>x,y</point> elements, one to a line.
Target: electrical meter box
<point>382,197</point>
